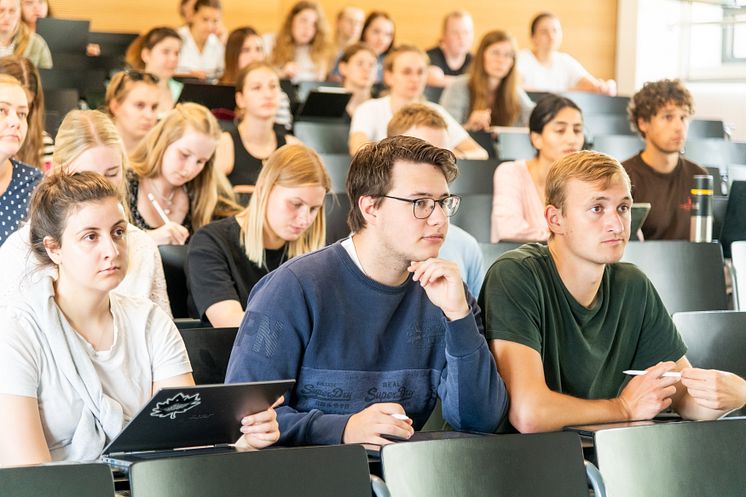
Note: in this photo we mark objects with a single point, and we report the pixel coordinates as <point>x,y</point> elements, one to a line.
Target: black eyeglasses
<point>423,207</point>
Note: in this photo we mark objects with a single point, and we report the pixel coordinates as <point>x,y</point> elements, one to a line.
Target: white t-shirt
<point>562,73</point>
<point>373,116</point>
<point>145,277</point>
<point>210,60</point>
<point>147,348</point>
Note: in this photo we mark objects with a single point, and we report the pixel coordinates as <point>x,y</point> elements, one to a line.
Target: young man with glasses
<point>374,328</point>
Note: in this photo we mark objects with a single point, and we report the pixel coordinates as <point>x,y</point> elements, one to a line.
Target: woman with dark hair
<point>202,52</point>
<point>379,34</point>
<point>78,360</point>
<point>489,95</point>
<point>357,67</point>
<point>157,52</point>
<point>245,47</point>
<point>556,130</point>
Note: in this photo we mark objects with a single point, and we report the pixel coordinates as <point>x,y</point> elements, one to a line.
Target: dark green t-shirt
<point>584,351</point>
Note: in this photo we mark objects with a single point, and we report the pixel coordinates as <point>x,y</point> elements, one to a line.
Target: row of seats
<point>688,276</point>
<point>715,340</point>
<point>657,459</point>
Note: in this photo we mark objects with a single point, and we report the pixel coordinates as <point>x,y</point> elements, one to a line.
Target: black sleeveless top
<point>134,186</point>
<point>246,167</point>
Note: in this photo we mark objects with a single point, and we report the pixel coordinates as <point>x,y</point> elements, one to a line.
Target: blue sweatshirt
<point>350,342</point>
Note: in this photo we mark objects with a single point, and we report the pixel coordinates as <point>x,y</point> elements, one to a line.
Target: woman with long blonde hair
<point>489,94</point>
<point>284,219</point>
<point>174,164</point>
<point>301,48</point>
<point>87,140</point>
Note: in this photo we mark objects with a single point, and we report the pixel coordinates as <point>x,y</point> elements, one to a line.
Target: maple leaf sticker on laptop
<point>178,404</point>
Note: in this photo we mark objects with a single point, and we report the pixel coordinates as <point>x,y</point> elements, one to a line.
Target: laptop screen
<point>196,416</point>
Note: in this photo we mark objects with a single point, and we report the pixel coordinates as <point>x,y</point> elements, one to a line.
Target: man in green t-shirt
<point>566,319</point>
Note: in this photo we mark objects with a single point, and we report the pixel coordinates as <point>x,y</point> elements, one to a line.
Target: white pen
<point>158,209</point>
<point>638,372</point>
<point>402,417</point>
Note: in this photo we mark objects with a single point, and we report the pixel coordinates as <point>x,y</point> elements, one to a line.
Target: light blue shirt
<point>463,249</point>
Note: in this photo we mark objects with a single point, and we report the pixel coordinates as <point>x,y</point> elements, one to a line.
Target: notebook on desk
<point>191,420</point>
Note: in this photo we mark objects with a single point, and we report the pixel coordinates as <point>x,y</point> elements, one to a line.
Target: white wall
<point>653,43</point>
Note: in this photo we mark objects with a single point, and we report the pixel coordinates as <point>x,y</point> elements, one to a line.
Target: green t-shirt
<point>584,351</point>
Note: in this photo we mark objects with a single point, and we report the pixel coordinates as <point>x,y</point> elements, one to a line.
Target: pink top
<point>517,209</point>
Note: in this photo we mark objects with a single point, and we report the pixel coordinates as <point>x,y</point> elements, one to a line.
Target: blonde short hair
<point>587,166</point>
<point>412,115</point>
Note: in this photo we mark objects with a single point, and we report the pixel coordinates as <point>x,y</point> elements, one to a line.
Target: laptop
<point>209,95</point>
<point>184,421</point>
<point>64,35</point>
<point>325,101</point>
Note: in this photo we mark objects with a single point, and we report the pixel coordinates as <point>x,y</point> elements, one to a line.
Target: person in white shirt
<point>202,52</point>
<point>545,68</point>
<point>87,140</point>
<point>78,361</point>
<point>405,73</point>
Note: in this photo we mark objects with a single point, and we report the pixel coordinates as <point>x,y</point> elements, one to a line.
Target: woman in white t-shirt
<point>545,68</point>
<point>202,52</point>
<point>405,73</point>
<point>78,361</point>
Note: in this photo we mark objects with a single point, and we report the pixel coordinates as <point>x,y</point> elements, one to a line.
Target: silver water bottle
<point>700,225</point>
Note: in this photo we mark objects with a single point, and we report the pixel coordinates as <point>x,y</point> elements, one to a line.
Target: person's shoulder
<point>692,168</point>
<point>461,234</point>
<point>325,259</point>
<point>27,172</point>
<point>218,232</point>
<point>460,82</point>
<point>138,241</point>
<point>130,303</point>
<point>522,259</point>
<point>37,40</point>
<point>634,163</point>
<point>564,58</point>
<point>525,56</point>
<point>220,227</point>
<point>184,31</point>
<point>434,52</point>
<point>627,274</point>
<point>372,104</point>
<point>511,169</point>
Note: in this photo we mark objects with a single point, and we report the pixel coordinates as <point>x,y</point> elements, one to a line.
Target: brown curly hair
<point>655,95</point>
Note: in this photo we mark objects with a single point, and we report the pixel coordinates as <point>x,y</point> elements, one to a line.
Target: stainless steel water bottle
<point>700,225</point>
